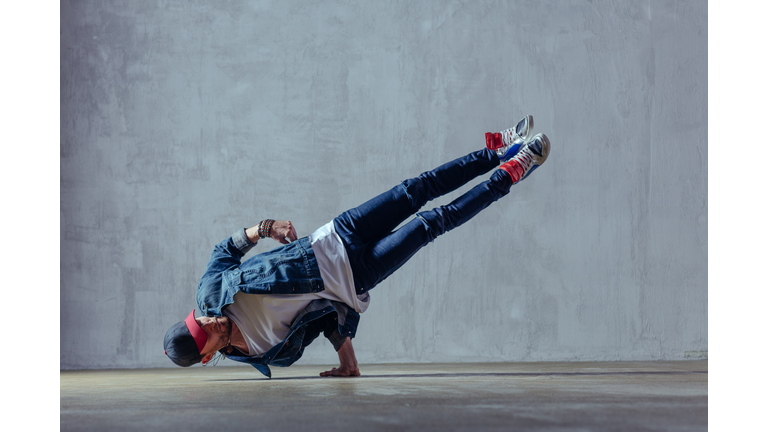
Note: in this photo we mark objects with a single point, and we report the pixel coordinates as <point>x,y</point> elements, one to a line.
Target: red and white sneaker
<point>509,141</point>
<point>530,157</point>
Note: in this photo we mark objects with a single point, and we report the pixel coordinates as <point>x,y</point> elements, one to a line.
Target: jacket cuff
<point>241,241</point>
<point>337,340</point>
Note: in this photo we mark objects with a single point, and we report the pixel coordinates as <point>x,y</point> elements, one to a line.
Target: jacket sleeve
<point>341,325</point>
<point>327,325</point>
<point>226,255</point>
<point>331,331</point>
<point>348,319</point>
<point>335,325</point>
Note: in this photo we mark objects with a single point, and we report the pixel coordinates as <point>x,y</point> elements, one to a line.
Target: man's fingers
<point>290,235</point>
<point>341,372</point>
<point>281,235</point>
<point>282,230</point>
<point>328,373</point>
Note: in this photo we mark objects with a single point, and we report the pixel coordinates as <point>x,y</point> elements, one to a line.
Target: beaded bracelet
<point>265,228</point>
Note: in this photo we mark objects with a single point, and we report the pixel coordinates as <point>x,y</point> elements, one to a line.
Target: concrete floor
<point>579,396</point>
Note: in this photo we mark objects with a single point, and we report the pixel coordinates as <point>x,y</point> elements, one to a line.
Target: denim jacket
<point>290,269</point>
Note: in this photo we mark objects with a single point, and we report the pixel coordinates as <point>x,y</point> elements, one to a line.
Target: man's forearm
<point>347,355</point>
<point>252,233</point>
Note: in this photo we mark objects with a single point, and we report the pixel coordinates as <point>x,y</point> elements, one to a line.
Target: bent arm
<point>229,252</point>
<point>347,360</point>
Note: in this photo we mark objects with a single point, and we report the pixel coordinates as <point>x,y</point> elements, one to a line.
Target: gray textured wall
<point>182,121</point>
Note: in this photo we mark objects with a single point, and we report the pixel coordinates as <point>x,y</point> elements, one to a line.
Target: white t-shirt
<point>264,320</point>
<point>334,267</point>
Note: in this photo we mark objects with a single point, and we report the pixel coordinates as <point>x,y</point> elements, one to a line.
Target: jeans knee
<point>433,224</point>
<point>414,191</point>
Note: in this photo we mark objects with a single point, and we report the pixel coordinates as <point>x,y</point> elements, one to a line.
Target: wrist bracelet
<point>265,228</point>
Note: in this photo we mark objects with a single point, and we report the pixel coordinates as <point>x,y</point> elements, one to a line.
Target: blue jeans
<point>375,251</point>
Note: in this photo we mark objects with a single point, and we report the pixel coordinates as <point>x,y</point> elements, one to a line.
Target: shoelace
<point>525,158</point>
<point>508,136</point>
<point>519,165</point>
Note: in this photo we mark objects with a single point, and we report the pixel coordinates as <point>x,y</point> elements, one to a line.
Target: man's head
<point>197,339</point>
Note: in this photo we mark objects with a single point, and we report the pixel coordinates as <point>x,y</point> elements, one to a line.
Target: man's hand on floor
<point>348,362</point>
<point>341,372</point>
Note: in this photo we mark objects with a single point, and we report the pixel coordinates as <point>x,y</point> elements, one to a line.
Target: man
<point>267,309</point>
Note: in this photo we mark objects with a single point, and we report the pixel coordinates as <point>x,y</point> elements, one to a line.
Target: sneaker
<point>509,141</point>
<point>530,157</point>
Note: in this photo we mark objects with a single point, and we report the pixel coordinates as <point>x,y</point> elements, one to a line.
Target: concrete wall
<point>182,121</point>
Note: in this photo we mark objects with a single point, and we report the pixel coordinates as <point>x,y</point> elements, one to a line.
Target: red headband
<point>200,336</point>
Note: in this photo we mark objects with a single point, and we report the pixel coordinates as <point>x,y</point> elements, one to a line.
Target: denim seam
<point>271,270</point>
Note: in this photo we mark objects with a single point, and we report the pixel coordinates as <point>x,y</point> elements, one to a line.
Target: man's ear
<point>207,358</point>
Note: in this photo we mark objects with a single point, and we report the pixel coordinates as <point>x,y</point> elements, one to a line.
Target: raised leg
<point>379,216</point>
<point>378,260</point>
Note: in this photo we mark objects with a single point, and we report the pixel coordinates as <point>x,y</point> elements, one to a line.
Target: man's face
<point>219,331</point>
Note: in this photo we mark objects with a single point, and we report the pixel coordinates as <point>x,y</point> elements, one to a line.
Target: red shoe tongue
<point>514,169</point>
<point>493,141</point>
